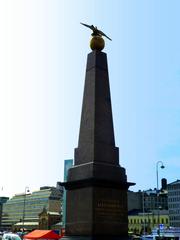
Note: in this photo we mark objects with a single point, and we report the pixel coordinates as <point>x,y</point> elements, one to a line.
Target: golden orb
<point>97,43</point>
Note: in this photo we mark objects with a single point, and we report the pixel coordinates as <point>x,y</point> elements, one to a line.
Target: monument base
<point>96,207</point>
<point>96,211</point>
<point>95,237</point>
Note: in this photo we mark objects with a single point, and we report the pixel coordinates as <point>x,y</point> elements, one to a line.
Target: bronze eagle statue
<point>96,31</point>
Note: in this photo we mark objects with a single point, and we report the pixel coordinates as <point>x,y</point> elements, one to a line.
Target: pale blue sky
<point>43,53</point>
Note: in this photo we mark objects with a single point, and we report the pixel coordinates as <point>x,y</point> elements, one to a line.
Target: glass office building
<point>24,209</point>
<point>67,165</point>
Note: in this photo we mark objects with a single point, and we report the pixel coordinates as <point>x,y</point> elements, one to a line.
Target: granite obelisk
<point>96,185</point>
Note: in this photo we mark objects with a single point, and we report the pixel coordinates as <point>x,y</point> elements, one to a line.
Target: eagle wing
<point>89,26</point>
<point>103,34</point>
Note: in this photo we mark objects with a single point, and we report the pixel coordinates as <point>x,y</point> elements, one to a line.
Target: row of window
<point>27,206</point>
<point>174,205</point>
<point>138,221</point>
<point>174,199</point>
<point>173,193</point>
<point>174,218</point>
<point>28,200</point>
<point>174,187</point>
<point>176,211</point>
<point>27,213</point>
<point>155,199</point>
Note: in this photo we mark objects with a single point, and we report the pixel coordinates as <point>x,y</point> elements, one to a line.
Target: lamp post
<point>24,207</point>
<point>143,213</point>
<point>157,191</point>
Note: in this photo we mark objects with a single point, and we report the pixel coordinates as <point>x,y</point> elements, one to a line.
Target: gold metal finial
<point>97,42</point>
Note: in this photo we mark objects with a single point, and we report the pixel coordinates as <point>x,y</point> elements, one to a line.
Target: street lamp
<point>24,206</point>
<point>157,191</point>
<point>143,213</point>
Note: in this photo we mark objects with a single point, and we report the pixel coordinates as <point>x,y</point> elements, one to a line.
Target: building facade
<point>147,209</point>
<point>174,203</point>
<point>22,210</point>
<point>147,200</point>
<point>139,222</point>
<point>134,200</point>
<point>2,201</point>
<point>48,219</point>
<point>67,165</point>
<point>152,201</point>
